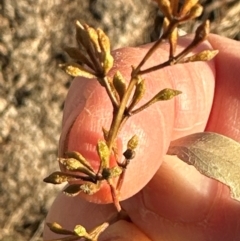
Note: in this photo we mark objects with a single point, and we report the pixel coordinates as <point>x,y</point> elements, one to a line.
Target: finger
<point>88,109</point>
<point>225,114</point>
<point>72,211</point>
<point>181,204</point>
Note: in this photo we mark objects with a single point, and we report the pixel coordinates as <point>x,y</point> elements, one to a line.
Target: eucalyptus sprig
<point>93,59</point>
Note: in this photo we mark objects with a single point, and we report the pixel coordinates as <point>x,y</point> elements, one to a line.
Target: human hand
<point>178,203</point>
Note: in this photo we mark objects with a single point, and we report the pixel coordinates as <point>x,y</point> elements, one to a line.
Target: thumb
<point>88,109</point>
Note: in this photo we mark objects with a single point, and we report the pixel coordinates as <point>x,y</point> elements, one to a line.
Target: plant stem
<point>117,119</point>
<point>110,93</point>
<point>171,27</point>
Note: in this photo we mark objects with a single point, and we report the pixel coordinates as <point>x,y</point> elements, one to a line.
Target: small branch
<point>121,177</point>
<point>141,108</point>
<point>186,51</point>
<point>155,46</point>
<point>117,119</point>
<point>115,196</point>
<point>156,67</point>
<point>110,93</point>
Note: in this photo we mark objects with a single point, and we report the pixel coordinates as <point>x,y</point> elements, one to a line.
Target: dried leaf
<point>57,228</point>
<point>166,94</point>
<point>75,70</point>
<point>202,32</point>
<point>73,190</point>
<point>214,155</point>
<point>90,188</point>
<point>80,231</point>
<point>115,171</point>
<point>104,41</point>
<point>77,54</point>
<point>138,93</point>
<point>103,153</point>
<point>195,12</point>
<point>73,164</point>
<point>107,62</point>
<point>132,143</point>
<point>111,172</point>
<point>187,6</point>
<point>82,36</point>
<point>119,84</point>
<point>60,177</point>
<point>80,158</point>
<point>93,36</point>
<point>205,55</point>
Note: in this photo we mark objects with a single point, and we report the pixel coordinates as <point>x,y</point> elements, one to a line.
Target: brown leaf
<point>202,32</point>
<point>195,12</point>
<point>166,94</point>
<point>75,165</point>
<point>80,158</point>
<point>72,190</point>
<point>81,231</point>
<point>111,172</point>
<point>75,70</point>
<point>104,41</point>
<point>94,39</point>
<point>132,143</point>
<point>205,55</point>
<point>107,62</point>
<point>119,83</point>
<point>187,6</point>
<point>90,188</point>
<point>59,177</point>
<point>77,54</point>
<point>82,36</point>
<point>57,228</point>
<point>103,153</point>
<point>214,155</point>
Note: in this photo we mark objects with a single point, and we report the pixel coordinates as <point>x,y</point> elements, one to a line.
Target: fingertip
<point>225,114</point>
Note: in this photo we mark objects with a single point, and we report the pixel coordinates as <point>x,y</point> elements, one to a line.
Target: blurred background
<point>33,88</point>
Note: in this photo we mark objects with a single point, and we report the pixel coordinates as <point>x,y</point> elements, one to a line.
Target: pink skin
<point>178,203</point>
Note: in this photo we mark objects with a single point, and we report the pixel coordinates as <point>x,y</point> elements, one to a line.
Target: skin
<point>178,203</point>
